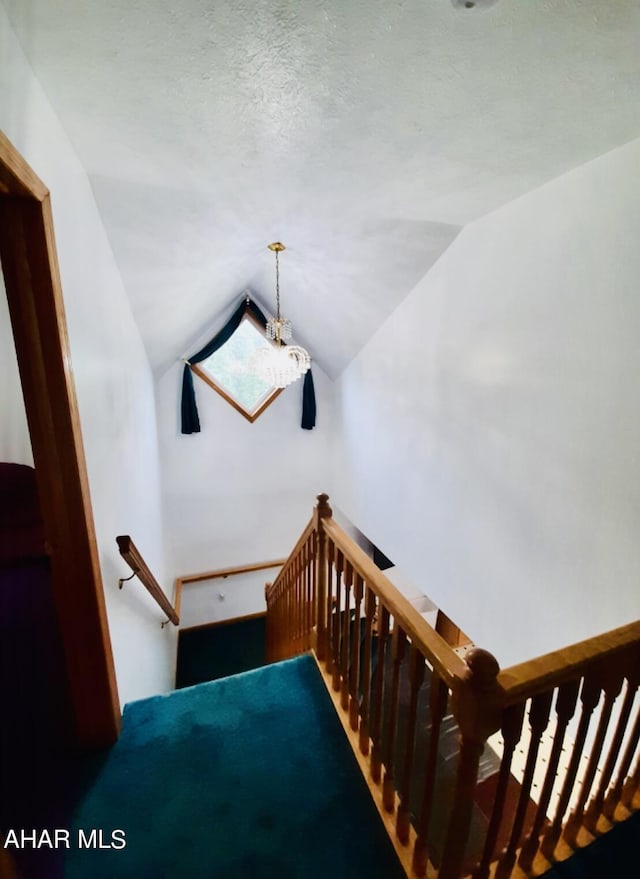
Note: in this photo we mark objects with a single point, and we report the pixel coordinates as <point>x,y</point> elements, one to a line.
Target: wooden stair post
<point>437,706</point>
<point>511,734</point>
<point>477,708</point>
<point>322,511</point>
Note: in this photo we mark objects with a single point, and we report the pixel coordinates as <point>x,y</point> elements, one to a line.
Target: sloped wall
<point>490,430</point>
<point>113,379</point>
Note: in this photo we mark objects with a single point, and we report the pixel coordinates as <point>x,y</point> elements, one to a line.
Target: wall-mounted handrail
<point>131,554</point>
<point>220,573</point>
<point>230,572</point>
<point>375,652</point>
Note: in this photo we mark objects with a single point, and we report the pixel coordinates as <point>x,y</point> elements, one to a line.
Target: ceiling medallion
<point>279,364</point>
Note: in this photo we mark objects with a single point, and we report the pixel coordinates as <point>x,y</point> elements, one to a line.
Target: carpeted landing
<point>220,650</point>
<point>249,776</point>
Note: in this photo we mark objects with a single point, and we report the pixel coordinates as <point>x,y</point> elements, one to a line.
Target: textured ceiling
<point>362,133</point>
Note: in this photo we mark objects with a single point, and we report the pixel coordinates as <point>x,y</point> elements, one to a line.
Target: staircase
<point>446,815</point>
<point>475,771</point>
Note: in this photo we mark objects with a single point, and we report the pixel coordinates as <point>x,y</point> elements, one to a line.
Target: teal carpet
<point>218,651</point>
<point>248,777</point>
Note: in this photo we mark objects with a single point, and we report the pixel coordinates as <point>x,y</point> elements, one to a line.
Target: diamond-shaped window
<point>226,371</point>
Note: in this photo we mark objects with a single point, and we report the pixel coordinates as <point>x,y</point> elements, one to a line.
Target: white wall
<point>239,492</point>
<point>15,445</point>
<point>113,380</point>
<point>225,598</point>
<point>491,427</point>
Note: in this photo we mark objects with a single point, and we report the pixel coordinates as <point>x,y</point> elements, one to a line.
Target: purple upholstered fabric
<point>36,718</point>
<point>21,529</point>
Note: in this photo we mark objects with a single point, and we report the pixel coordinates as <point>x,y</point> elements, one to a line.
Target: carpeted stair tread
<point>247,776</point>
<point>217,651</point>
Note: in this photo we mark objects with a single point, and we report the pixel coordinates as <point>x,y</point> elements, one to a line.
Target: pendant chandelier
<point>279,364</point>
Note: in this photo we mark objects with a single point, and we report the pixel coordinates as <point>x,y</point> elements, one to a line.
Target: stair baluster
<point>566,699</point>
<point>416,677</point>
<point>611,682</point>
<point>631,672</point>
<point>616,794</point>
<point>369,610</point>
<point>398,643</point>
<point>378,706</point>
<point>337,617</point>
<point>511,731</point>
<point>354,671</point>
<point>539,712</point>
<point>331,594</point>
<point>345,660</point>
<point>437,708</point>
<point>323,511</point>
<point>589,698</point>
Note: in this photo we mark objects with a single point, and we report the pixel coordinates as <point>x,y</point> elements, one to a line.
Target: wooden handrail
<point>203,576</point>
<point>231,572</point>
<point>132,557</point>
<point>374,650</point>
<point>538,675</point>
<point>451,668</point>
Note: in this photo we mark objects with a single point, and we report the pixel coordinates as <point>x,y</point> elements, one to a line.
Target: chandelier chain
<point>281,363</point>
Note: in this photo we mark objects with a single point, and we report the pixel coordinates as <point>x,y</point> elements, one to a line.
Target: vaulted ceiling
<point>362,133</point>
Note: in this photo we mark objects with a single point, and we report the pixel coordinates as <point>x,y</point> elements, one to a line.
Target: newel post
<point>477,708</point>
<point>322,511</point>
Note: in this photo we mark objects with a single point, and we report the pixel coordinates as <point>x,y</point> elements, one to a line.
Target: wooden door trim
<point>34,295</point>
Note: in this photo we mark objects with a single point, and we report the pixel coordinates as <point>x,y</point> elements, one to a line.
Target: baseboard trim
<point>230,621</point>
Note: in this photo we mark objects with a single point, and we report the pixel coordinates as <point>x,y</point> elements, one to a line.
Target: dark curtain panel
<point>308,403</point>
<point>188,407</point>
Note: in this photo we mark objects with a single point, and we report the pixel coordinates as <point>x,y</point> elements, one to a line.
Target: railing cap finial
<point>324,509</point>
<point>483,669</point>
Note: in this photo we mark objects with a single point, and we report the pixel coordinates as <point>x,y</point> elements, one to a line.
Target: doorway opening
<point>36,311</point>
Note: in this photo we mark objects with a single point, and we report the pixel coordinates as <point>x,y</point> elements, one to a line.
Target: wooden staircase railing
<point>131,554</point>
<point>400,687</point>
